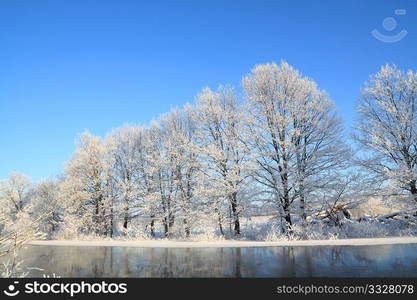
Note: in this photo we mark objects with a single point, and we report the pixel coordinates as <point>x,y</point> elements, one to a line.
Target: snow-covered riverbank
<point>227,243</point>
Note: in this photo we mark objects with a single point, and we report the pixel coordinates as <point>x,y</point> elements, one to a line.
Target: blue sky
<point>67,66</point>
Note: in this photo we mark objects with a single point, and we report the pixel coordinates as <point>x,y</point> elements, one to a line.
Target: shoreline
<point>224,243</point>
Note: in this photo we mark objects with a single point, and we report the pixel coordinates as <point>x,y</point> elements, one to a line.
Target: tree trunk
<point>285,200</point>
<point>166,226</point>
<point>187,228</point>
<point>126,216</point>
<point>287,215</point>
<point>230,220</point>
<point>413,190</point>
<point>103,218</point>
<point>287,218</point>
<point>152,226</point>
<point>302,199</point>
<point>53,222</point>
<point>111,220</point>
<point>171,220</point>
<point>96,218</point>
<point>302,207</point>
<point>219,219</point>
<point>235,214</point>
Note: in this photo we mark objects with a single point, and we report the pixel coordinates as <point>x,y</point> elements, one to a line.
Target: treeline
<point>282,146</point>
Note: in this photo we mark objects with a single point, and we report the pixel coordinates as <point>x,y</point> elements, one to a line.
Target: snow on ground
<point>228,243</point>
<point>267,229</point>
<point>261,229</point>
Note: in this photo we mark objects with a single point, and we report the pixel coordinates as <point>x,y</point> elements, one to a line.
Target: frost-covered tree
<point>13,237</point>
<point>387,128</point>
<point>148,173</point>
<point>123,146</point>
<point>225,158</point>
<point>293,132</point>
<point>14,192</point>
<point>316,138</point>
<point>161,162</point>
<point>179,130</point>
<point>87,187</point>
<point>47,206</point>
<point>17,224</point>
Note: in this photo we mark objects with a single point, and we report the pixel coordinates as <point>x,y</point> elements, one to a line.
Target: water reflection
<point>320,261</point>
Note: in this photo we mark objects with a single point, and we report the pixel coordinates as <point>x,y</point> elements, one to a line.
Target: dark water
<point>317,261</point>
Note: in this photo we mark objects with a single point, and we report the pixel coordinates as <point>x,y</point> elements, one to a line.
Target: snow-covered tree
<point>124,147</point>
<point>14,192</point>
<point>178,130</point>
<point>148,166</point>
<point>387,128</point>
<point>162,163</point>
<point>293,132</point>
<point>46,206</point>
<point>316,137</point>
<point>17,224</point>
<point>13,237</point>
<point>87,186</point>
<point>225,158</point>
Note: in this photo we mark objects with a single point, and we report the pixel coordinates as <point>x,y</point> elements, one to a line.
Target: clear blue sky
<point>67,66</point>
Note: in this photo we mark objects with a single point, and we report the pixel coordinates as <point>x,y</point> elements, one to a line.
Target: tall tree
<point>123,145</point>
<point>163,166</point>
<point>88,188</point>
<point>316,137</point>
<point>226,159</point>
<point>387,128</point>
<point>46,206</point>
<point>293,132</point>
<point>148,173</point>
<point>179,136</point>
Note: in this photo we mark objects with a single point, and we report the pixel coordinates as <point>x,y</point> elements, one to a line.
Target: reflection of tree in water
<point>329,261</point>
<point>333,261</point>
<point>359,259</point>
<point>312,261</point>
<point>237,257</point>
<point>196,262</point>
<point>283,261</point>
<point>172,262</point>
